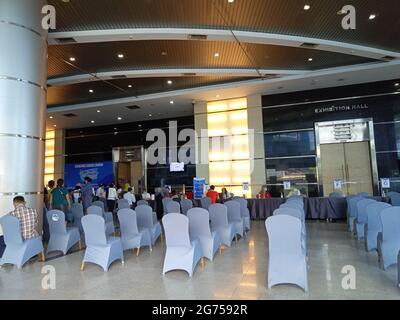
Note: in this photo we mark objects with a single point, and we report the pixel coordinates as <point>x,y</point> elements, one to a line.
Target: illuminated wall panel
<point>229,152</point>
<point>49,156</point>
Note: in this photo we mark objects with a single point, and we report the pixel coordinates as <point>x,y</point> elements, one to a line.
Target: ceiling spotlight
<point>91,90</point>
<point>171,102</point>
<point>51,117</point>
<point>150,115</point>
<point>54,125</point>
<point>164,53</point>
<point>98,111</point>
<point>129,86</point>
<point>119,118</point>
<point>217,96</point>
<point>139,125</point>
<point>397,84</point>
<point>216,55</point>
<point>372,16</point>
<point>307,7</point>
<point>72,59</point>
<point>169,82</point>
<point>92,121</point>
<point>120,55</point>
<point>310,59</point>
<point>231,1</point>
<point>115,128</point>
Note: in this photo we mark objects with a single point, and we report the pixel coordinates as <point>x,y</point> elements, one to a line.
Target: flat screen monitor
<point>177,166</point>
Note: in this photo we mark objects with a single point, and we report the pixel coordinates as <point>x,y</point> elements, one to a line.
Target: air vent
<point>120,76</point>
<point>309,45</point>
<point>388,58</point>
<point>66,40</point>
<point>70,115</point>
<point>132,107</point>
<point>188,74</point>
<point>197,37</point>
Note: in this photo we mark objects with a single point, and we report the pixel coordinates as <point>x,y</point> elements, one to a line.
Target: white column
<point>23,76</point>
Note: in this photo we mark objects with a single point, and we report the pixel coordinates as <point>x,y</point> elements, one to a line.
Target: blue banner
<point>198,187</point>
<point>99,172</point>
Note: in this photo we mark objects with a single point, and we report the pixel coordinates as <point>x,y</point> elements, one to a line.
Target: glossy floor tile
<point>240,272</point>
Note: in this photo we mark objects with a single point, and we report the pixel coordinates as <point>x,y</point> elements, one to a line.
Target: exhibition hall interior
<point>199,150</point>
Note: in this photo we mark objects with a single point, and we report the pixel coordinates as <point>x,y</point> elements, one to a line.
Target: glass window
<point>285,144</point>
<point>293,169</point>
<point>387,136</point>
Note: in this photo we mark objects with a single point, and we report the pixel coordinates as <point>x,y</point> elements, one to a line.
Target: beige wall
<point>200,122</point>
<point>59,150</point>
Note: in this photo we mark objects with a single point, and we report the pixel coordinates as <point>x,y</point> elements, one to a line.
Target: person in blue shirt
<point>87,193</point>
<point>60,197</point>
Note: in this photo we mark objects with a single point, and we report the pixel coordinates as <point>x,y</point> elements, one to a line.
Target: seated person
<point>212,194</point>
<point>264,193</point>
<point>225,194</point>
<point>146,195</point>
<point>130,196</point>
<point>27,217</point>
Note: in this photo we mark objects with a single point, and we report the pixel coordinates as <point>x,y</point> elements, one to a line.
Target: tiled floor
<point>240,272</point>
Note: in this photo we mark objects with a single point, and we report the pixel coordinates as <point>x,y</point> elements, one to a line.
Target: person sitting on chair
<point>212,194</point>
<point>27,217</point>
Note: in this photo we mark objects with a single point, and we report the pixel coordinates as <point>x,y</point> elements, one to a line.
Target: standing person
<point>112,197</point>
<point>28,218</point>
<point>212,194</point>
<point>130,196</point>
<point>100,192</point>
<point>126,187</point>
<point>87,193</point>
<point>77,194</point>
<point>60,197</point>
<point>50,187</point>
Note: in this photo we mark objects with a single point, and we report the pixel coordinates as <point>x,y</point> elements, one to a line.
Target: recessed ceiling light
<point>171,102</point>
<point>120,55</point>
<point>139,125</point>
<point>217,96</point>
<point>66,1</point>
<point>91,90</point>
<point>307,7</point>
<point>72,59</point>
<point>164,53</point>
<point>129,86</point>
<point>397,84</point>
<point>92,121</point>
<point>310,59</point>
<point>231,1</point>
<point>115,128</point>
<point>54,125</point>
<point>169,82</point>
<point>216,55</point>
<point>119,118</point>
<point>98,111</point>
<point>150,115</point>
<point>372,16</point>
<point>51,117</point>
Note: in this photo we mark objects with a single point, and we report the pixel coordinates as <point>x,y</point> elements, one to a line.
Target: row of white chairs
<point>378,225</point>
<point>286,232</point>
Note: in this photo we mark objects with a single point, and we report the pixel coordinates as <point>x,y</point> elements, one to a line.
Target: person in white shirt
<point>130,196</point>
<point>77,194</point>
<point>100,192</point>
<point>112,197</point>
<point>146,195</point>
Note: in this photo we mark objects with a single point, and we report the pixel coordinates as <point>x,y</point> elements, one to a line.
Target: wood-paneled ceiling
<point>280,17</point>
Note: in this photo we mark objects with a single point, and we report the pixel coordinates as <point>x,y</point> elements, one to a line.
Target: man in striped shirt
<point>27,217</point>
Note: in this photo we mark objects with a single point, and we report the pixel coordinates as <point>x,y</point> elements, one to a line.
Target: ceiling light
<point>129,86</point>
<point>120,55</point>
<point>92,121</point>
<point>310,59</point>
<point>171,102</point>
<point>169,82</point>
<point>307,7</point>
<point>54,125</point>
<point>115,128</point>
<point>98,111</point>
<point>66,1</point>
<point>91,90</point>
<point>164,53</point>
<point>119,118</point>
<point>231,1</point>
<point>51,117</point>
<point>216,55</point>
<point>150,115</point>
<point>139,125</point>
<point>217,96</point>
<point>372,16</point>
<point>397,84</point>
<point>72,59</point>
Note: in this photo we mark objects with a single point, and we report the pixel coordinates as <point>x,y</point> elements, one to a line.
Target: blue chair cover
<point>186,204</point>
<point>361,220</point>
<point>173,207</point>
<point>389,238</point>
<point>205,202</point>
<point>373,225</point>
<point>235,217</point>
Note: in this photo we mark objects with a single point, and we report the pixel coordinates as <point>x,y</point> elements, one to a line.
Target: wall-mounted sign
<point>341,108</point>
<point>385,183</point>
<point>337,184</point>
<point>287,185</point>
<point>245,186</point>
<point>99,172</point>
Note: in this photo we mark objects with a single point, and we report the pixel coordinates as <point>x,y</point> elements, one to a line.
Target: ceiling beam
<point>220,35</point>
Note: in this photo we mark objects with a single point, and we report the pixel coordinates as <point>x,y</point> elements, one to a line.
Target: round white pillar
<point>23,77</point>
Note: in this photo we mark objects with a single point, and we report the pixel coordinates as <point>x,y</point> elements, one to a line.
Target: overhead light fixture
<point>91,90</point>
<point>164,53</point>
<point>51,117</point>
<point>171,102</point>
<point>372,16</point>
<point>119,118</point>
<point>54,125</point>
<point>115,128</point>
<point>307,7</point>
<point>98,111</point>
<point>231,1</point>
<point>217,96</point>
<point>72,59</point>
<point>150,115</point>
<point>92,121</point>
<point>310,59</point>
<point>139,125</point>
<point>129,86</point>
<point>216,55</point>
<point>120,56</point>
<point>169,81</point>
<point>397,84</point>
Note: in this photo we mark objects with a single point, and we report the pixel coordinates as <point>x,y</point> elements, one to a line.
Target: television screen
<point>177,166</point>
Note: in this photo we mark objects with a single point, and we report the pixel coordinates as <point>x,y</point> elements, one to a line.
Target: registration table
<point>314,208</point>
